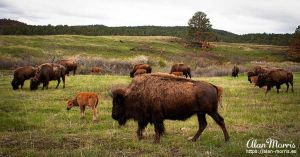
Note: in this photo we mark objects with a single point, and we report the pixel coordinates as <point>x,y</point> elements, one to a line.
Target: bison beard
<point>152,98</point>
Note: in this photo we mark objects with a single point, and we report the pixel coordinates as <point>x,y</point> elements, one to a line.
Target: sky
<point>237,16</point>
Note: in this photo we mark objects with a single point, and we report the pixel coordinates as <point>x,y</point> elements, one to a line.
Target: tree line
<point>12,27</point>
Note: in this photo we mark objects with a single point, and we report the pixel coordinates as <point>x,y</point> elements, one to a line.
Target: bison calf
<point>235,71</point>
<point>153,98</point>
<point>82,100</point>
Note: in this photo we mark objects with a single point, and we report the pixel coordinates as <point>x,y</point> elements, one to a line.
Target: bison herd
<point>152,98</point>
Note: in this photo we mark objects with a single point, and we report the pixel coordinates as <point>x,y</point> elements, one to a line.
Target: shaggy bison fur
<point>153,98</point>
<point>276,78</point>
<point>181,67</point>
<point>47,72</point>
<point>21,74</point>
<point>139,72</point>
<point>147,67</point>
<point>69,64</point>
<point>235,71</point>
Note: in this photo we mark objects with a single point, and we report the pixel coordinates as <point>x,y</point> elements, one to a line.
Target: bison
<point>276,78</point>
<point>47,72</point>
<point>147,67</point>
<point>21,74</point>
<point>139,72</point>
<point>71,65</point>
<point>181,67</point>
<point>153,98</point>
<point>258,70</point>
<point>82,100</point>
<point>96,70</point>
<point>235,71</point>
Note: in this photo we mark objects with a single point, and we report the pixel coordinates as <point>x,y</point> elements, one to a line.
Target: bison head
<point>132,73</point>
<point>34,83</point>
<point>118,109</point>
<point>250,74</point>
<point>14,84</point>
<point>261,80</point>
<point>69,104</point>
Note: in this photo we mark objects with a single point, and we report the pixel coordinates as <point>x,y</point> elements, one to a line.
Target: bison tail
<point>220,91</point>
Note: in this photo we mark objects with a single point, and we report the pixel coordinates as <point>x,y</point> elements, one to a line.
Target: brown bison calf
<point>82,100</point>
<point>153,98</point>
<point>21,74</point>
<point>177,73</point>
<point>147,67</point>
<point>276,78</point>
<point>140,72</point>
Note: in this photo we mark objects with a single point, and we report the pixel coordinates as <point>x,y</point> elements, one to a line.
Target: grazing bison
<point>139,72</point>
<point>177,73</point>
<point>258,70</point>
<point>82,100</point>
<point>235,71</point>
<point>153,98</point>
<point>276,78</point>
<point>21,74</point>
<point>147,67</point>
<point>71,65</point>
<point>96,70</point>
<point>47,72</point>
<point>181,67</point>
<point>250,74</point>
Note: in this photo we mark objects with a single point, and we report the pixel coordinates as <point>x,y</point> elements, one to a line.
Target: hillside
<point>119,53</point>
<point>12,27</point>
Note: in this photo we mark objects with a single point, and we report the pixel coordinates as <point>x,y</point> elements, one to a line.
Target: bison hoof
<point>192,139</point>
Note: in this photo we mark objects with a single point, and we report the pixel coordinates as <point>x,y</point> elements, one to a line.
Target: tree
<point>199,27</point>
<point>294,52</point>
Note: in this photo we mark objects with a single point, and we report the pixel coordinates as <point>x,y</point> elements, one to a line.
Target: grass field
<point>38,124</point>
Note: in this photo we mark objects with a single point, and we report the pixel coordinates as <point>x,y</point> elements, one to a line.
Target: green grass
<point>110,47</point>
<point>38,124</point>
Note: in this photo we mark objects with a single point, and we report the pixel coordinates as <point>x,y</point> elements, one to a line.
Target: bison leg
<point>287,87</point>
<point>63,79</point>
<point>94,114</point>
<point>220,121</point>
<point>74,71</point>
<point>141,128</point>
<point>202,125</point>
<point>292,86</point>
<point>82,109</point>
<point>22,84</point>
<point>159,130</point>
<point>277,87</point>
<point>268,89</point>
<point>58,82</point>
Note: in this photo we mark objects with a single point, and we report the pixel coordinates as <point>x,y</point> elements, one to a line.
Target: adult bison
<point>258,70</point>
<point>235,71</point>
<point>181,67</point>
<point>71,65</point>
<point>276,78</point>
<point>147,67</point>
<point>21,74</point>
<point>153,98</point>
<point>47,72</point>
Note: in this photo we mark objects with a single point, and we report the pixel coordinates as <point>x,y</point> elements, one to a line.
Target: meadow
<point>36,123</point>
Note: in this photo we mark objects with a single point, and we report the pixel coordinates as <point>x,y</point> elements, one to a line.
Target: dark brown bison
<point>235,71</point>
<point>21,74</point>
<point>147,67</point>
<point>96,70</point>
<point>181,67</point>
<point>71,65</point>
<point>140,72</point>
<point>276,78</point>
<point>258,70</point>
<point>47,72</point>
<point>153,98</point>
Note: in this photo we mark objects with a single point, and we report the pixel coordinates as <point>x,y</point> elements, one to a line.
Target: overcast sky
<point>237,16</point>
